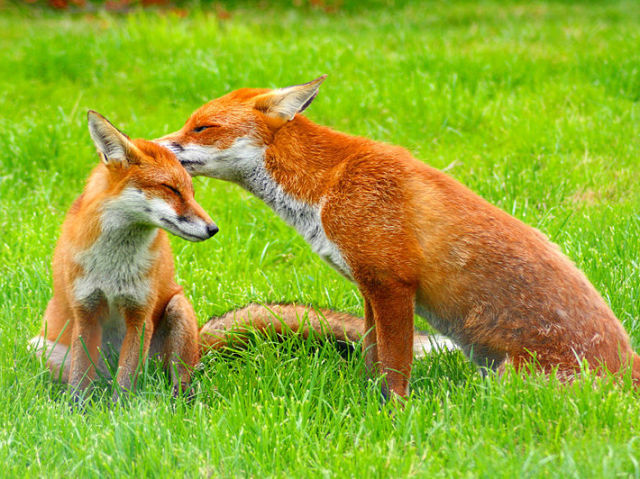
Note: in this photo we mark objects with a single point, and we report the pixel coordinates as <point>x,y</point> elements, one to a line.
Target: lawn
<point>535,106</point>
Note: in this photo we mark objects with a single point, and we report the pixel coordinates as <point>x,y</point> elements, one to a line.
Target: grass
<point>532,105</point>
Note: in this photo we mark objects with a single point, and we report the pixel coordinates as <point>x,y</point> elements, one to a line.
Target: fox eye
<point>198,129</point>
<point>172,189</point>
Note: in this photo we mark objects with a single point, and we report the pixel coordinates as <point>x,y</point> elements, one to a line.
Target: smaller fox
<point>413,240</point>
<point>113,270</point>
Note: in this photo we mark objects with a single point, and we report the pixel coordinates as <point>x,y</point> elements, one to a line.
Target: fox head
<point>147,184</point>
<point>227,137</point>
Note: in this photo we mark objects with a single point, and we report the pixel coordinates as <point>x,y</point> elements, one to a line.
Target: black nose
<point>212,229</point>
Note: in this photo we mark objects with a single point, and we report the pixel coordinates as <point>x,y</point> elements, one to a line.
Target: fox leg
<point>392,307</point>
<point>87,337</point>
<point>369,343</point>
<point>176,341</point>
<point>135,347</point>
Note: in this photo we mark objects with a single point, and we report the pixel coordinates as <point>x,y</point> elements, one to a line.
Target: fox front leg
<point>176,342</point>
<point>392,308</point>
<point>135,348</point>
<point>85,343</point>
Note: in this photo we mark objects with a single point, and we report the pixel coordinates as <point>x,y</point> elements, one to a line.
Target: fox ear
<point>114,146</point>
<point>284,103</point>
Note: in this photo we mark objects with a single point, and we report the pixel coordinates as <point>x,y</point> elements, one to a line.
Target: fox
<point>113,273</point>
<point>412,239</point>
<point>115,298</point>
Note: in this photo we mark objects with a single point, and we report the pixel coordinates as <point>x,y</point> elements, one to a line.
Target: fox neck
<point>123,237</point>
<point>118,262</point>
<point>119,230</point>
<point>300,161</point>
<point>117,267</point>
<point>292,175</point>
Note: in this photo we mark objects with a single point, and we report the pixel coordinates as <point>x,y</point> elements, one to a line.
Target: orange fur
<point>408,235</point>
<point>170,328</point>
<point>100,301</point>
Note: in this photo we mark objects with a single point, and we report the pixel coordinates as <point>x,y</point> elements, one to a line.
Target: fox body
<point>410,237</point>
<point>114,292</point>
<point>113,276</point>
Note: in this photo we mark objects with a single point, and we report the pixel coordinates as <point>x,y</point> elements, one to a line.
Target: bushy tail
<point>281,319</point>
<point>55,354</point>
<point>284,318</point>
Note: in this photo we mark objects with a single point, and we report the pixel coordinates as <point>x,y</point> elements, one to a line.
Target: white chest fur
<point>305,218</point>
<point>117,266</point>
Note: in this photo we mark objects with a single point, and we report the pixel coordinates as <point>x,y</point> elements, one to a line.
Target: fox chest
<point>304,217</point>
<point>309,225</point>
<point>307,221</point>
<point>115,269</point>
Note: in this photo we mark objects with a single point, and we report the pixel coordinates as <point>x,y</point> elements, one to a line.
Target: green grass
<point>532,105</point>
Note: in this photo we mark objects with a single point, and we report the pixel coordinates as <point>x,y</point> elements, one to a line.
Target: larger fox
<point>410,237</point>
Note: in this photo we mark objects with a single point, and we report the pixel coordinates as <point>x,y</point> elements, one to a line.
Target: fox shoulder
<point>76,205</point>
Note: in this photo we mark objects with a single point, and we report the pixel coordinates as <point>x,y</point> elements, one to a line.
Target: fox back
<point>412,238</point>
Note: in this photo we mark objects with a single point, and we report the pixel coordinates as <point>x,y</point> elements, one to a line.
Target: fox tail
<point>293,318</point>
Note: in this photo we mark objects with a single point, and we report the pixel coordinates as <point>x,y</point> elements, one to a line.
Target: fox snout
<point>193,158</point>
<point>212,229</point>
<point>170,143</point>
<point>190,222</point>
<point>175,146</point>
<point>197,223</point>
<point>191,228</point>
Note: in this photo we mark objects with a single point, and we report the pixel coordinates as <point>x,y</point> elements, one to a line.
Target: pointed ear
<point>284,103</point>
<point>115,147</point>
